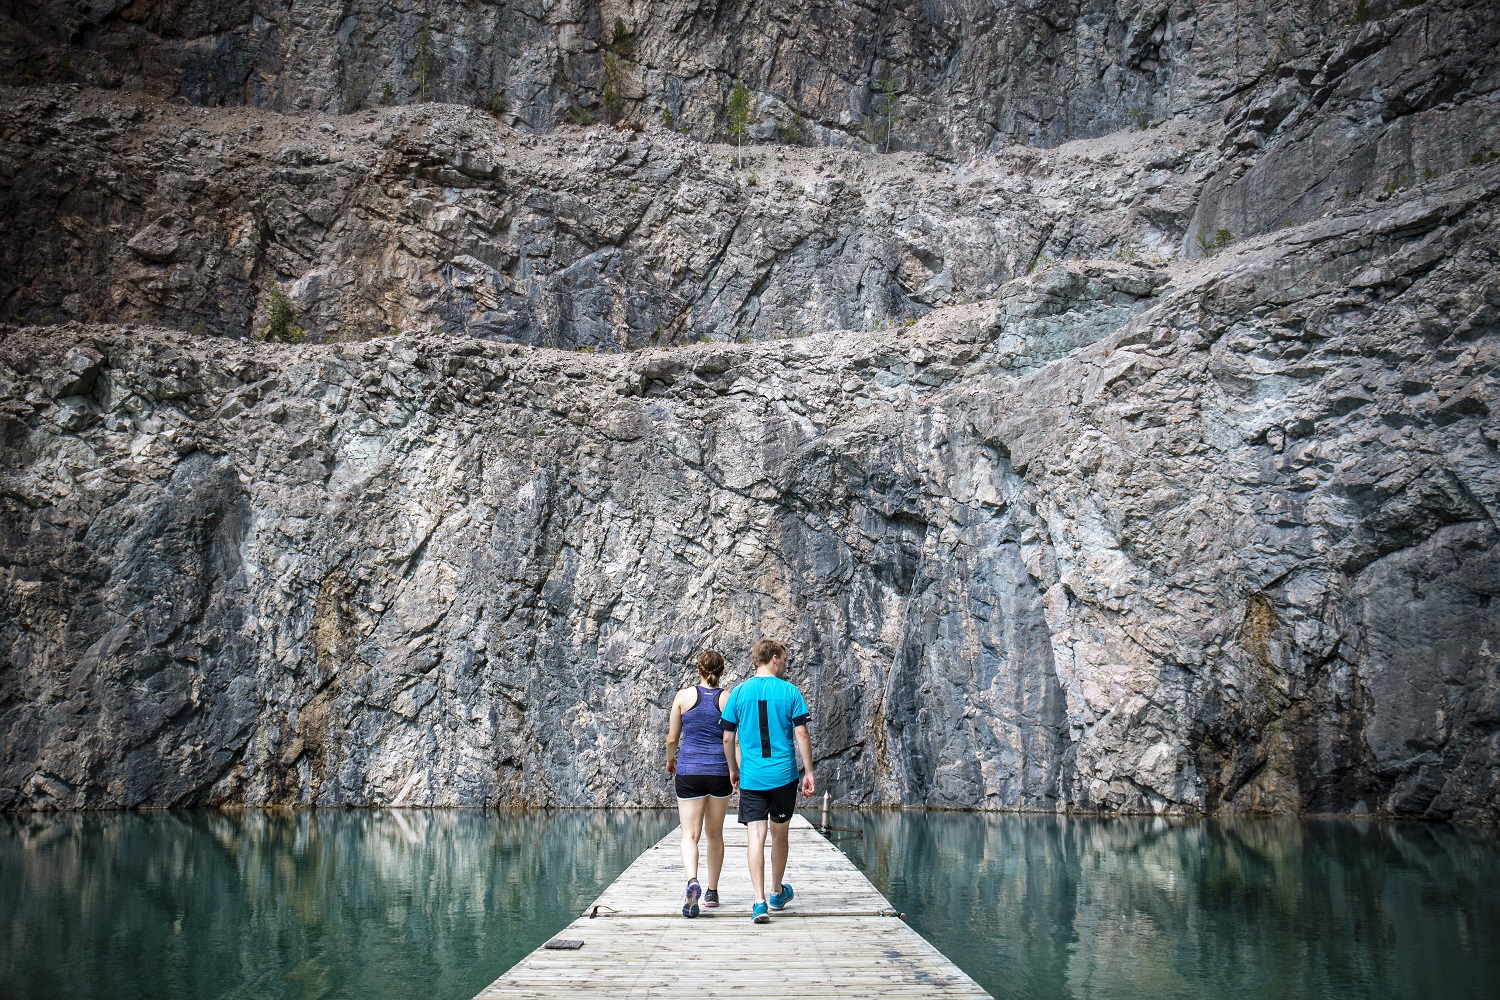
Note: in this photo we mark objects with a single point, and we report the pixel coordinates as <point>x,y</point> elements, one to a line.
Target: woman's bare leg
<point>713,830</point>
<point>690,815</point>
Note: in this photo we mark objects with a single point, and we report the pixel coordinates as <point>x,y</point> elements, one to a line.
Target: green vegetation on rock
<point>281,323</point>
<point>885,110</point>
<point>609,93</point>
<point>1210,245</point>
<point>421,64</point>
<point>738,114</point>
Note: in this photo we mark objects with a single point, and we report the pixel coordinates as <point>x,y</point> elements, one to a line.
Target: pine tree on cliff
<point>421,65</point>
<point>886,110</point>
<point>738,112</point>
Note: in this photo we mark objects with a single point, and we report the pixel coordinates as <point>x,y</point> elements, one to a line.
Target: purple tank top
<point>702,750</point>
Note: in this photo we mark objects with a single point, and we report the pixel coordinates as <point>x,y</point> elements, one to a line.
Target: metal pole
<point>825,813</point>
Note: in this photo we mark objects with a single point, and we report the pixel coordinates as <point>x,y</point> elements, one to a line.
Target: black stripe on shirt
<point>765,729</point>
<point>800,720</point>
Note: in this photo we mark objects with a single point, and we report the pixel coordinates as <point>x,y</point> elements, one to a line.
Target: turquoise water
<point>1046,908</point>
<point>436,903</point>
<point>361,904</point>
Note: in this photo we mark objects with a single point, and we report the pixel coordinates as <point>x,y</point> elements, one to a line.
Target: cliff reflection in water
<point>1047,907</point>
<point>202,904</point>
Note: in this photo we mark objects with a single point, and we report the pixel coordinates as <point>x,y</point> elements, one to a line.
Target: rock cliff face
<point>957,75</point>
<point>1153,472</point>
<point>598,238</point>
<point>441,217</point>
<point>1237,553</point>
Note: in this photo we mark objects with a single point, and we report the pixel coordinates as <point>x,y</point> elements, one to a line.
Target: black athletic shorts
<point>695,786</point>
<point>776,805</point>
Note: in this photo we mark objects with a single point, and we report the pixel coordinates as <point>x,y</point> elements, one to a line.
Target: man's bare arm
<point>804,751</point>
<point>732,756</point>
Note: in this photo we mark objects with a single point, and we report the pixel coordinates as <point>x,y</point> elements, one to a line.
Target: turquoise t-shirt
<point>762,712</point>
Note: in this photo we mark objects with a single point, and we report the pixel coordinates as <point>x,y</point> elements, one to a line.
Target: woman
<point>702,777</point>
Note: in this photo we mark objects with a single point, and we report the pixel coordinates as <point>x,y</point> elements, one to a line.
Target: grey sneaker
<point>710,897</point>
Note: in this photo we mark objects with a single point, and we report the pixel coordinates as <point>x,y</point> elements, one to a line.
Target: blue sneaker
<point>780,899</point>
<point>759,914</point>
<point>690,901</point>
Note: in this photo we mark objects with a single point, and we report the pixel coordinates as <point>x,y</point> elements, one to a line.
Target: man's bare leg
<point>779,844</point>
<point>755,853</point>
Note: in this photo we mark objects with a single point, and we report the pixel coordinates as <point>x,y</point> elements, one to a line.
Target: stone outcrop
<point>1233,549</point>
<point>1153,472</point>
<point>598,238</point>
<point>955,76</point>
<point>440,217</point>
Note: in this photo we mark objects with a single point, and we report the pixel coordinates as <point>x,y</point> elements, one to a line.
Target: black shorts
<point>695,786</point>
<point>777,805</point>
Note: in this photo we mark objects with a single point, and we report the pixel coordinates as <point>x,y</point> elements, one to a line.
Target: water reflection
<point>295,904</point>
<point>1049,907</point>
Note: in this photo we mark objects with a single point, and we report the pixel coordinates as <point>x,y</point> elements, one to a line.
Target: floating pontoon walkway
<point>838,938</point>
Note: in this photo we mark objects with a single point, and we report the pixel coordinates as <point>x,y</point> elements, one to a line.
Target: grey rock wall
<point>121,207</point>
<point>1153,472</point>
<point>1234,549</point>
<point>958,76</point>
<point>604,239</point>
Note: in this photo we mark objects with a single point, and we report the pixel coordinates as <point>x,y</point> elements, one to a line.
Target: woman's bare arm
<point>674,733</point>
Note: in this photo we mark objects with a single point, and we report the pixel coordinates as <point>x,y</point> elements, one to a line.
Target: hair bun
<point>710,665</point>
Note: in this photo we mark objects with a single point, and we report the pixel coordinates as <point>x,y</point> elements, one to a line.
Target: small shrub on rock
<point>496,104</point>
<point>1212,245</point>
<point>609,93</point>
<point>622,40</point>
<point>281,319</point>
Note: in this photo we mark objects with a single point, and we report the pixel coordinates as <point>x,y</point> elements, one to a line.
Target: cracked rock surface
<point>1154,472</point>
<point>606,239</point>
<point>1233,549</point>
<point>125,207</point>
<point>960,75</point>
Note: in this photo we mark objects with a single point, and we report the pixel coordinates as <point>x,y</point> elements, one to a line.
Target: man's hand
<point>808,786</point>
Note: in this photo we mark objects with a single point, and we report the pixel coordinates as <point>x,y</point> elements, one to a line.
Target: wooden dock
<point>838,938</point>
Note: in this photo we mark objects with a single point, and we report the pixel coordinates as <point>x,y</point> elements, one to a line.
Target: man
<point>762,721</point>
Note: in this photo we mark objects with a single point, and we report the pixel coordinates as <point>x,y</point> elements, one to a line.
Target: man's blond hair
<point>765,651</point>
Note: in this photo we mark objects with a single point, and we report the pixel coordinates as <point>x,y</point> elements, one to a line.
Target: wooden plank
<point>832,941</point>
